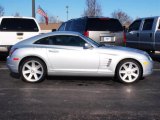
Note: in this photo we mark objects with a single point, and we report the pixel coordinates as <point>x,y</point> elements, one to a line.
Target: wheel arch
<point>32,56</point>
<point>129,59</point>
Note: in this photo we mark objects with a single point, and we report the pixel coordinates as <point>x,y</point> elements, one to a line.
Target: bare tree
<point>51,19</point>
<point>1,11</point>
<point>93,8</point>
<point>123,17</point>
<point>41,19</point>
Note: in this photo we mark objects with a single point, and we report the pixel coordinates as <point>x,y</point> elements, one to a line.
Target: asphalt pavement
<point>79,98</point>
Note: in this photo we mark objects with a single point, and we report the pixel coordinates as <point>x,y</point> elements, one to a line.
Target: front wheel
<point>129,71</point>
<point>33,70</point>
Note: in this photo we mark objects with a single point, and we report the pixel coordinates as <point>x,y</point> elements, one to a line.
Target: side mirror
<point>87,46</point>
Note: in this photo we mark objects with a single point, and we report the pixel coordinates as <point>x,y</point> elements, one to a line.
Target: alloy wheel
<point>32,71</point>
<point>129,72</point>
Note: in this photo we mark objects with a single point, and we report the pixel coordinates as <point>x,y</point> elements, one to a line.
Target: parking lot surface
<point>79,98</point>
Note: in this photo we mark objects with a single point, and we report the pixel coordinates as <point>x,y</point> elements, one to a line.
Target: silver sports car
<point>72,54</point>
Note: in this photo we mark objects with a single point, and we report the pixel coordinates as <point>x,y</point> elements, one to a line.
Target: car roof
<point>16,17</point>
<point>148,17</point>
<point>37,37</point>
<point>96,17</point>
<point>89,17</point>
<point>62,33</point>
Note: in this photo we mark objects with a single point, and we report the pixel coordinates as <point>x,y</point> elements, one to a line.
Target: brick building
<point>48,28</point>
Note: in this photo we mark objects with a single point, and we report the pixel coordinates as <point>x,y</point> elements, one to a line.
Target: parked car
<point>144,34</point>
<point>15,29</point>
<point>72,54</point>
<point>102,30</point>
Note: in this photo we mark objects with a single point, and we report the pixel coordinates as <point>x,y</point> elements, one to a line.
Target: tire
<point>128,71</point>
<point>33,70</point>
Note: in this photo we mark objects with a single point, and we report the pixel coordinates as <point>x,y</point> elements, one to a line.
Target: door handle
<point>54,51</point>
<point>131,32</point>
<point>19,34</point>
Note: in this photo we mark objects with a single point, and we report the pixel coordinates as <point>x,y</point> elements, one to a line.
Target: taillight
<point>12,51</point>
<point>15,59</point>
<point>86,33</point>
<point>124,38</point>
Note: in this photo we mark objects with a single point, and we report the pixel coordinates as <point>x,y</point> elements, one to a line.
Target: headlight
<point>148,56</point>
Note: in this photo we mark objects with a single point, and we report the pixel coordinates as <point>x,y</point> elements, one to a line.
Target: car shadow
<point>15,75</point>
<point>83,81</point>
<point>78,80</point>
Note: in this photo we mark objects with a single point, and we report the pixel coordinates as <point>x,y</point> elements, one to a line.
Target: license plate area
<point>108,39</point>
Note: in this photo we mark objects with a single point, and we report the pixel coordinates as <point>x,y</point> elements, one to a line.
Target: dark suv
<point>102,30</point>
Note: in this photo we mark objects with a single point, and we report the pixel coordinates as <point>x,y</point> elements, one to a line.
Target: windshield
<point>19,24</point>
<point>104,24</point>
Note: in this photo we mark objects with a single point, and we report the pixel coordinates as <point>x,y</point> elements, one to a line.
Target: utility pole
<point>33,9</point>
<point>94,4</point>
<point>67,7</point>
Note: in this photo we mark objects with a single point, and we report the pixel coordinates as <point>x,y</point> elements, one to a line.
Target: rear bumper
<point>12,65</point>
<point>3,48</point>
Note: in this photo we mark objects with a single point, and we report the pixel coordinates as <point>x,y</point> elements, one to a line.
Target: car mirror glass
<point>87,46</point>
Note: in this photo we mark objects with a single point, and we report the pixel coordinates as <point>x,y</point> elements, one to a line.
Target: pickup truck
<point>144,34</point>
<point>15,29</point>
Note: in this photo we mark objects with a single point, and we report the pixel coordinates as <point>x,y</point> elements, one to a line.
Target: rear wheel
<point>129,71</point>
<point>33,70</point>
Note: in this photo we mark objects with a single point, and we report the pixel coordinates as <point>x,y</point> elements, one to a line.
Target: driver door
<point>67,55</point>
<point>133,34</point>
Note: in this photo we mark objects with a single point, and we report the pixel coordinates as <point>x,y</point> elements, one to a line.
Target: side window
<point>78,25</point>
<point>66,40</point>
<point>68,24</point>
<point>43,41</point>
<point>148,23</point>
<point>62,27</point>
<point>135,25</point>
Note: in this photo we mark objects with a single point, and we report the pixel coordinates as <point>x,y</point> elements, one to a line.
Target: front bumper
<point>147,67</point>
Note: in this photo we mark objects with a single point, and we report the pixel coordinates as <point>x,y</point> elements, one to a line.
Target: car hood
<point>121,50</point>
